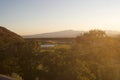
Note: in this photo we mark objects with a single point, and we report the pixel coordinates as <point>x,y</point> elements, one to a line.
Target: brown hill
<point>8,38</point>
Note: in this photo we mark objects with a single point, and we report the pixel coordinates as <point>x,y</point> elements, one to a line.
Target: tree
<point>96,48</point>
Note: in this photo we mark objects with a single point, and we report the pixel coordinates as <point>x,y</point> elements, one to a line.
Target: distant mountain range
<point>59,34</point>
<point>66,34</point>
<point>112,33</point>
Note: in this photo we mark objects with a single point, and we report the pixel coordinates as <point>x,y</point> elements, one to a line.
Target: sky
<point>27,17</point>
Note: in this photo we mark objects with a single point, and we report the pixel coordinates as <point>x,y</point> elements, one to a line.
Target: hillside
<point>8,37</point>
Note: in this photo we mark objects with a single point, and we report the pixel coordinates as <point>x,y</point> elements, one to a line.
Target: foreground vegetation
<point>92,56</point>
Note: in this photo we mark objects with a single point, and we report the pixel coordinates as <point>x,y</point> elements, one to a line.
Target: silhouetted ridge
<point>8,37</point>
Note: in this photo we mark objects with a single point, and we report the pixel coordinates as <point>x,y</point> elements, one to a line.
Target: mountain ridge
<point>67,34</point>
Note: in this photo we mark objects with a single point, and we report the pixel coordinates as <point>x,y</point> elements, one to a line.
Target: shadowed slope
<point>8,37</point>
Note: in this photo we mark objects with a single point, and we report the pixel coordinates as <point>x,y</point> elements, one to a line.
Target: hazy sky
<point>40,16</point>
